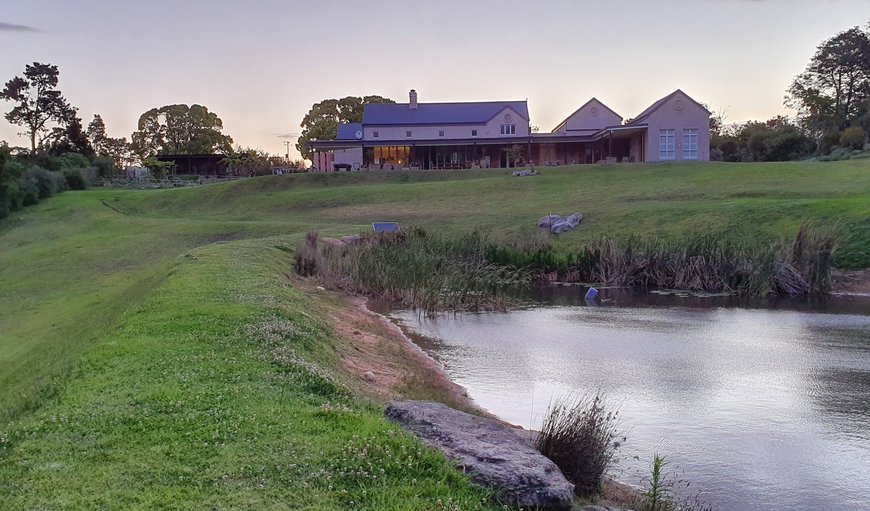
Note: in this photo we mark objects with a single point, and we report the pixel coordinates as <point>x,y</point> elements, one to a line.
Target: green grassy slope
<point>215,393</point>
<point>756,200</point>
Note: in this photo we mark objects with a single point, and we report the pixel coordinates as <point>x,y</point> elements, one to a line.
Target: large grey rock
<point>568,223</point>
<point>545,222</point>
<point>489,451</point>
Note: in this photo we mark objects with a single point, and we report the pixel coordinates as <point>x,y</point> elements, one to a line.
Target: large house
<point>490,134</point>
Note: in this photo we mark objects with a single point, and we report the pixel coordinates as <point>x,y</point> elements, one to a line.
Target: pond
<point>762,405</point>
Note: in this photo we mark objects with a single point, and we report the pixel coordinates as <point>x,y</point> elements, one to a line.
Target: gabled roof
<point>348,131</point>
<point>581,108</point>
<point>658,104</point>
<point>385,114</point>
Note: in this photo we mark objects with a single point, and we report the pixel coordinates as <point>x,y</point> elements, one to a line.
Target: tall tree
<point>70,137</point>
<point>834,90</point>
<point>180,129</point>
<point>321,122</point>
<point>38,102</point>
<point>117,149</point>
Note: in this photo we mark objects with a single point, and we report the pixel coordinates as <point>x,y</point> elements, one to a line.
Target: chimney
<point>413,99</point>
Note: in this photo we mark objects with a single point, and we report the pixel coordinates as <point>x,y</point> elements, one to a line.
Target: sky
<point>261,64</point>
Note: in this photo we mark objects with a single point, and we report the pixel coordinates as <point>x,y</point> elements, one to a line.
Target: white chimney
<point>413,99</point>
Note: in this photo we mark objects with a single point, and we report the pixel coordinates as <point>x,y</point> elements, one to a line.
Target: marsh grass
<point>704,262</point>
<point>430,272</point>
<point>581,436</point>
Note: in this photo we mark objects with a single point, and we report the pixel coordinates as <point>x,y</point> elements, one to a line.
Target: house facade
<point>495,134</point>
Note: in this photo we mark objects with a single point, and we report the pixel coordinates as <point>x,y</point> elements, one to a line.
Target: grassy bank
<point>672,201</point>
<point>217,387</point>
<point>154,354</point>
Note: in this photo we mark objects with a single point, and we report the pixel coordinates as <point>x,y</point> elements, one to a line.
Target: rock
<point>332,242</point>
<point>369,376</point>
<point>545,222</point>
<point>567,224</point>
<point>353,239</point>
<point>489,451</point>
<point>594,508</point>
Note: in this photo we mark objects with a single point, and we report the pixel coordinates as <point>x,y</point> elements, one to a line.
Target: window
<point>690,144</point>
<point>440,133</point>
<point>473,133</point>
<point>375,134</point>
<point>508,129</point>
<point>667,144</point>
<point>408,133</point>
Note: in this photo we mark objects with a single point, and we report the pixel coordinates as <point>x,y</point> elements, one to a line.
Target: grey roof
<point>348,131</point>
<point>401,114</point>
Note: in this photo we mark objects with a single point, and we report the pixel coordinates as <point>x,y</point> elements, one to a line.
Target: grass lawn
<point>154,353</point>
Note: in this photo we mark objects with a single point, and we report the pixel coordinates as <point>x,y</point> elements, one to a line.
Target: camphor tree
<point>180,129</point>
<point>321,122</point>
<point>833,92</point>
<point>39,105</point>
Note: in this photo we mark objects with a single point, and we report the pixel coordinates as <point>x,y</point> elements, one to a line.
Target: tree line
<point>832,100</point>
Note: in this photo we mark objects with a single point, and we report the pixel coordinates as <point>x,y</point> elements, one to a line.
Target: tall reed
<point>580,435</point>
<point>427,271</point>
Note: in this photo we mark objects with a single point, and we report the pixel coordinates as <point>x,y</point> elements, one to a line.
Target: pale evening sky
<point>260,64</point>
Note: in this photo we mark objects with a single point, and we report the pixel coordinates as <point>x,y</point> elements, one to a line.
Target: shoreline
<point>440,386</point>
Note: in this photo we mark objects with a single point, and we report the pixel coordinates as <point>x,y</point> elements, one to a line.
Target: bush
<point>38,183</point>
<point>74,179</point>
<point>104,166</point>
<point>72,161</point>
<point>581,437</point>
<point>852,138</point>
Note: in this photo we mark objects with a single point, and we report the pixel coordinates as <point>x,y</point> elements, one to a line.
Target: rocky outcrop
<point>489,451</point>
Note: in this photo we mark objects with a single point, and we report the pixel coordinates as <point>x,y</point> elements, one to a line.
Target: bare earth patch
<point>383,364</point>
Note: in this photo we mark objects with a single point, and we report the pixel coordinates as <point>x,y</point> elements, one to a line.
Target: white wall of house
<point>490,130</point>
<point>680,113</point>
<point>591,117</point>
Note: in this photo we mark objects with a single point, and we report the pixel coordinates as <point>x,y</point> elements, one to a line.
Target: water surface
<point>763,405</point>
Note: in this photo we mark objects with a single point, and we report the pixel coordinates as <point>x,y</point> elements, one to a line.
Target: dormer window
<point>408,133</point>
<point>473,133</point>
<point>508,129</point>
<point>440,133</point>
<point>375,134</point>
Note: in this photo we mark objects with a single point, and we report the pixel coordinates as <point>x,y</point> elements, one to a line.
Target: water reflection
<point>763,404</point>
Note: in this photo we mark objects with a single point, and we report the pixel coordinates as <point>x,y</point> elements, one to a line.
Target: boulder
<point>545,222</point>
<point>492,453</point>
<point>569,223</point>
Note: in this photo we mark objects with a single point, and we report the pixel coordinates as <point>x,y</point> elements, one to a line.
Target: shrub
<point>852,138</point>
<point>72,161</point>
<point>37,183</point>
<point>581,437</point>
<point>74,179</point>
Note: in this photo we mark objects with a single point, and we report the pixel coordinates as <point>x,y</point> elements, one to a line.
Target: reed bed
<point>435,272</point>
<point>706,262</point>
<point>426,271</point>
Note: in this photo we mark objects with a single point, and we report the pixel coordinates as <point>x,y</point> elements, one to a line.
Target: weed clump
<point>581,436</point>
<point>661,492</point>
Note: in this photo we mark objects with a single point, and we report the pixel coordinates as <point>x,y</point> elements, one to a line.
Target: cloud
<point>11,27</point>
